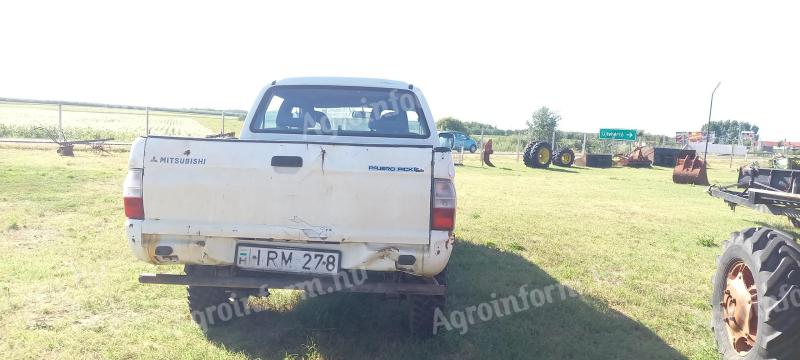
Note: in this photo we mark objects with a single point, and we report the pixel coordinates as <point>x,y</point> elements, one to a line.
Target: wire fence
<point>588,142</point>
<point>34,120</point>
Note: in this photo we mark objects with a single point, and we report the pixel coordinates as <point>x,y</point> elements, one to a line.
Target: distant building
<point>771,145</point>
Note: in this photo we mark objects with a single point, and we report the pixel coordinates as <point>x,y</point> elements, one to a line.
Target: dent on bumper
<point>221,251</point>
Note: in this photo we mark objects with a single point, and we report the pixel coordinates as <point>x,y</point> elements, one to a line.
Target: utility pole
<point>708,128</point>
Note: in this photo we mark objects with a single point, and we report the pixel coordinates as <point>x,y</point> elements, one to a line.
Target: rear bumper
<point>317,285</point>
<point>221,251</point>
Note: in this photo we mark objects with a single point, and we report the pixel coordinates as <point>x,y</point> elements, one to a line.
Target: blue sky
<point>640,65</point>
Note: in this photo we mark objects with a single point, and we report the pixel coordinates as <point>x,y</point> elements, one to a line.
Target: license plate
<point>293,260</point>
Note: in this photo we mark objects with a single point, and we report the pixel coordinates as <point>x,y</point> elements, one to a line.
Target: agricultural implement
<point>638,158</point>
<point>756,288</point>
<point>227,135</point>
<point>599,160</point>
<point>666,157</point>
<point>690,169</point>
<point>771,191</point>
<point>539,154</point>
<point>487,150</point>
<point>65,148</point>
<point>785,162</point>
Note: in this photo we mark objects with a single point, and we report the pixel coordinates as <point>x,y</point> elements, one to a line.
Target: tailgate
<point>253,189</point>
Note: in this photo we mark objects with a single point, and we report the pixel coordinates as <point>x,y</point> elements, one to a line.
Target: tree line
<point>544,122</point>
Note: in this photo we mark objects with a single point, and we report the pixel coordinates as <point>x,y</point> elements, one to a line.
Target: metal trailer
<point>756,288</point>
<point>771,191</point>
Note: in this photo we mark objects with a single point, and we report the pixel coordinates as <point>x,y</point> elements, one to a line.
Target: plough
<point>65,148</point>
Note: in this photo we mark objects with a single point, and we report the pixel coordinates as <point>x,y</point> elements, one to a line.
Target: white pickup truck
<point>329,175</point>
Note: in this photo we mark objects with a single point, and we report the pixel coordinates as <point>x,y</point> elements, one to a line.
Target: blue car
<point>456,140</point>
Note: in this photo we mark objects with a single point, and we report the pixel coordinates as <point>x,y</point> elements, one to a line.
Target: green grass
<point>638,249</point>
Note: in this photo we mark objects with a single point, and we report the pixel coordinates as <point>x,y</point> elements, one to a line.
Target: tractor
<point>539,154</point>
<point>756,287</point>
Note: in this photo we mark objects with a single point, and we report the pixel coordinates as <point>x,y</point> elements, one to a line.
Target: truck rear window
<point>340,110</point>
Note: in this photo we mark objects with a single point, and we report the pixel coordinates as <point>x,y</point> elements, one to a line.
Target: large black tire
<point>562,155</point>
<point>795,189</point>
<point>773,258</point>
<point>541,155</point>
<point>526,154</point>
<point>211,306</point>
<point>423,311</point>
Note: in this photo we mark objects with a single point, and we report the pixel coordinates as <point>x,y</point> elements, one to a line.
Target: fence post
<point>583,148</point>
<point>481,147</point>
<point>553,144</point>
<point>223,123</point>
<point>60,129</point>
<point>147,121</point>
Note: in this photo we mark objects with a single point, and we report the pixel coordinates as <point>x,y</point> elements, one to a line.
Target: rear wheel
<point>423,311</point>
<point>526,155</point>
<point>564,157</point>
<point>211,306</point>
<point>756,296</point>
<point>541,155</point>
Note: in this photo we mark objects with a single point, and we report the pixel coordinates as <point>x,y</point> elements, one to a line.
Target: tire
<point>526,154</point>
<point>423,311</point>
<point>541,155</point>
<point>564,157</point>
<point>210,306</point>
<point>796,190</point>
<point>773,259</point>
<point>473,148</point>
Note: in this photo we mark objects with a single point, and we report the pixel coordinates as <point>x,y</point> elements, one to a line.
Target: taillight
<point>444,205</point>
<point>132,194</point>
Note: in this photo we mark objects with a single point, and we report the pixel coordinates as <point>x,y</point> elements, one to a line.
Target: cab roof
<point>344,81</point>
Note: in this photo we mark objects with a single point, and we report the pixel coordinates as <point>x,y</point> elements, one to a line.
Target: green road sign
<point>617,134</point>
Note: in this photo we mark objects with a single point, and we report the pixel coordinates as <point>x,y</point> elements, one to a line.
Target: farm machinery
<point>638,158</point>
<point>65,147</point>
<point>756,287</point>
<point>690,168</point>
<point>539,154</point>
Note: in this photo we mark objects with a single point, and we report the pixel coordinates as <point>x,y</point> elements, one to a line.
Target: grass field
<point>638,249</point>
<point>19,120</point>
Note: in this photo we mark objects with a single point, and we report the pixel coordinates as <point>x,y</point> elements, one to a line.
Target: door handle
<point>287,161</point>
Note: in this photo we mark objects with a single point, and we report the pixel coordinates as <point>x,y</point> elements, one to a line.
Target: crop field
<point>638,250</point>
<point>19,120</point>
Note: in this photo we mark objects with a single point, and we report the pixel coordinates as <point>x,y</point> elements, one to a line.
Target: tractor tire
<point>564,157</point>
<point>423,311</point>
<point>211,306</point>
<point>541,155</point>
<point>796,190</point>
<point>760,265</point>
<point>526,154</point>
